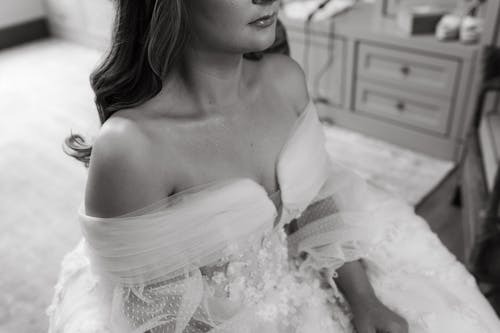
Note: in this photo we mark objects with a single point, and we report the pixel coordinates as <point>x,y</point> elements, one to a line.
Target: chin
<point>262,41</point>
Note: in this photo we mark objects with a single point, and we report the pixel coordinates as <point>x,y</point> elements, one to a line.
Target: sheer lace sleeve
<point>343,223</point>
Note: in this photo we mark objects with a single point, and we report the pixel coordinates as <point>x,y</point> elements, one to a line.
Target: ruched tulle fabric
<point>221,257</point>
<point>131,250</point>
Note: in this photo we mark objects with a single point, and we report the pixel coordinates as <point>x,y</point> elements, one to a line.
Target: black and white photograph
<point>250,166</point>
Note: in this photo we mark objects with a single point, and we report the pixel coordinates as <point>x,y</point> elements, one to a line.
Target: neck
<point>213,79</point>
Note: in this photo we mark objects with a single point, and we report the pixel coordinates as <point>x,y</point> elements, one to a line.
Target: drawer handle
<point>400,106</point>
<point>405,70</point>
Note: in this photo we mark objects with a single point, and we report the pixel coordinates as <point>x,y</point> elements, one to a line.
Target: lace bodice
<point>242,277</point>
<point>264,277</point>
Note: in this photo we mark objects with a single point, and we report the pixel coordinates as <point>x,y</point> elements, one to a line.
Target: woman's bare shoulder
<point>123,174</point>
<point>288,79</point>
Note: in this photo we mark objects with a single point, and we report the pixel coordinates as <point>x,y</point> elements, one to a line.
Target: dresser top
<point>361,22</point>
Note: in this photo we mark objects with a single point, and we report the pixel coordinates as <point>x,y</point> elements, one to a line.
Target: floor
<point>443,217</point>
<point>405,173</point>
<point>38,179</point>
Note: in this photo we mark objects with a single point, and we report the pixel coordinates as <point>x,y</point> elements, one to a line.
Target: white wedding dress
<point>221,257</point>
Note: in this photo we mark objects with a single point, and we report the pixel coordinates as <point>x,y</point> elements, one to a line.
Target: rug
<point>402,172</point>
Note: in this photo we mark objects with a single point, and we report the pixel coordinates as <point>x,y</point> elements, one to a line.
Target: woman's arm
<point>370,315</point>
<point>335,232</point>
<point>321,232</point>
<point>353,282</point>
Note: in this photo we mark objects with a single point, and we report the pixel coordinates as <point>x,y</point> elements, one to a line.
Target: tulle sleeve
<point>344,222</point>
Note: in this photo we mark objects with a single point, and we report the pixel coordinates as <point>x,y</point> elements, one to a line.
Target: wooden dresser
<point>481,160</point>
<point>367,75</point>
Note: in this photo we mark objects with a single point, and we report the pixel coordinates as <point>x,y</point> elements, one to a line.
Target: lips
<point>264,21</point>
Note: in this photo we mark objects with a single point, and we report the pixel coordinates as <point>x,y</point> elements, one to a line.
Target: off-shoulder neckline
<point>170,200</point>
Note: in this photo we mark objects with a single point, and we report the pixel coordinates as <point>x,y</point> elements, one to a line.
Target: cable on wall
<point>318,98</point>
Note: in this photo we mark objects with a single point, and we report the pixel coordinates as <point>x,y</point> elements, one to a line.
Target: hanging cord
<point>307,46</point>
<point>316,81</point>
<point>317,96</point>
<point>307,35</point>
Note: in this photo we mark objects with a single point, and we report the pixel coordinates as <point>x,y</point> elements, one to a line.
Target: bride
<point>212,205</point>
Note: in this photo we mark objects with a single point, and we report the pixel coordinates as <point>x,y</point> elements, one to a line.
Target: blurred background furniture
<point>480,159</point>
<point>370,76</point>
<point>479,186</point>
<point>479,182</point>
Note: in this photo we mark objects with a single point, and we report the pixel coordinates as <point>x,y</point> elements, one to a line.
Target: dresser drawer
<point>425,73</point>
<point>417,111</point>
<point>322,59</point>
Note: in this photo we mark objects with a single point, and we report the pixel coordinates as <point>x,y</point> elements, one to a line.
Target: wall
<point>85,21</point>
<point>13,12</point>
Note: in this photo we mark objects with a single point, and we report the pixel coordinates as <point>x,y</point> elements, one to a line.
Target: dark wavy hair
<point>148,40</point>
